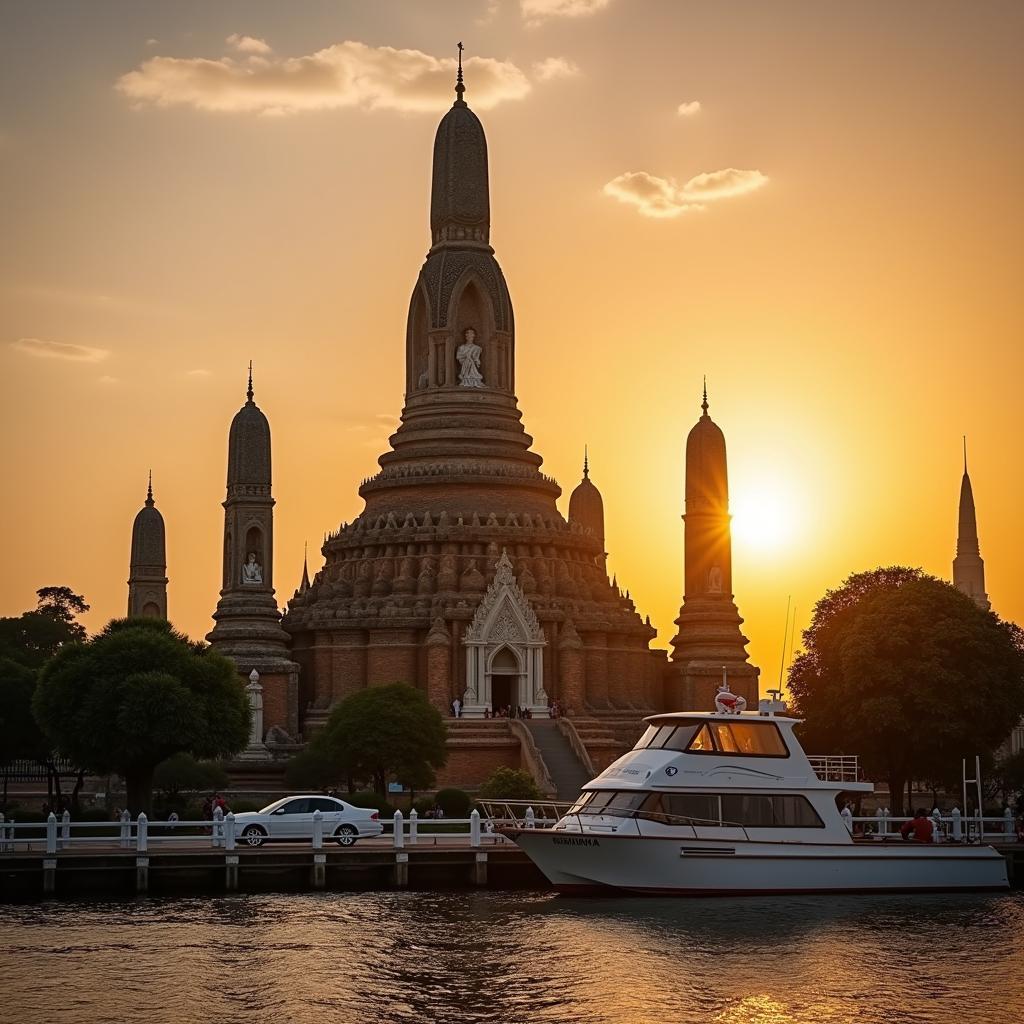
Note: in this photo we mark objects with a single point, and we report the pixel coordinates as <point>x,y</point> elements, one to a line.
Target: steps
<point>563,765</point>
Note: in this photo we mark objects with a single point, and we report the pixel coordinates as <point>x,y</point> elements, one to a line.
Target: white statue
<point>715,580</point>
<point>252,571</point>
<point>468,355</point>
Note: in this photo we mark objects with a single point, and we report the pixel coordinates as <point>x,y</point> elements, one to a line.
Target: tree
<point>34,637</point>
<point>137,693</point>
<point>903,669</point>
<point>510,784</point>
<point>182,772</point>
<point>381,732</point>
<point>20,736</point>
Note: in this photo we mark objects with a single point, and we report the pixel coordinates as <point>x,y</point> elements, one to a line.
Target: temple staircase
<point>565,769</point>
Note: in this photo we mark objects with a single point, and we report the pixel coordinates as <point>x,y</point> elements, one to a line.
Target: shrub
<point>456,803</point>
<point>367,799</point>
<point>510,784</point>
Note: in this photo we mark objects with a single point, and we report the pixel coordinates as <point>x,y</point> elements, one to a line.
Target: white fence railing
<point>954,827</point>
<point>142,833</point>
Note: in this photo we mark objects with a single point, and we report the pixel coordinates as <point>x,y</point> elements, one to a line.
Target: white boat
<point>728,803</point>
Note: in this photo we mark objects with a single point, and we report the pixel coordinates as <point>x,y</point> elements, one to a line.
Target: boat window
<point>702,741</point>
<point>748,809</point>
<point>663,733</point>
<point>645,740</point>
<point>700,807</point>
<point>795,812</point>
<point>680,738</point>
<point>625,801</point>
<point>748,739</point>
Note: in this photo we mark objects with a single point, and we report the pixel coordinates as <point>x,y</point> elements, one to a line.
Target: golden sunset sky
<point>817,205</point>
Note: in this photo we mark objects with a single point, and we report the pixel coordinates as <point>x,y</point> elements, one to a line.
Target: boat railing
<point>836,767</point>
<point>541,814</point>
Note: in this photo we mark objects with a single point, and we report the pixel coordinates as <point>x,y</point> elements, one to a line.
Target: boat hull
<point>579,863</point>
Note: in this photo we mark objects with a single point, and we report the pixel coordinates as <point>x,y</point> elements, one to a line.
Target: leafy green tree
<point>909,673</point>
<point>384,732</point>
<point>1008,772</point>
<point>20,736</point>
<point>510,784</point>
<point>456,803</point>
<point>182,772</point>
<point>135,694</point>
<point>34,637</point>
<point>313,768</point>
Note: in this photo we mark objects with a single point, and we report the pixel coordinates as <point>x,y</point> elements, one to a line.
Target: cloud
<point>59,350</point>
<point>663,197</point>
<point>152,42</point>
<point>248,44</point>
<point>554,67</point>
<point>536,11</point>
<point>347,74</point>
<point>688,109</point>
<point>198,373</point>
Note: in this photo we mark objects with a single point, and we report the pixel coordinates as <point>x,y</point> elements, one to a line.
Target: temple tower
<point>147,577</point>
<point>968,567</point>
<point>709,644</point>
<point>586,506</point>
<point>460,573</point>
<point>248,623</point>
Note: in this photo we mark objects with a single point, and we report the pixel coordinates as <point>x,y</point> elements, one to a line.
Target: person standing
<point>457,708</point>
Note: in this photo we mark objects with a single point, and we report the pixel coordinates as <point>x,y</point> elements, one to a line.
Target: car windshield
<point>271,807</point>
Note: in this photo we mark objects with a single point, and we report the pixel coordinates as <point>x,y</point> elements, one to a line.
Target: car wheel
<point>346,835</point>
<point>253,835</point>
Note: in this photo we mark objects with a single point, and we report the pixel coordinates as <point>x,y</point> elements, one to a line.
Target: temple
<point>460,575</point>
<point>709,647</point>
<point>968,566</point>
<point>147,577</point>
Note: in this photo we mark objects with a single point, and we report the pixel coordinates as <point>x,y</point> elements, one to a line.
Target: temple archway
<point>504,650</point>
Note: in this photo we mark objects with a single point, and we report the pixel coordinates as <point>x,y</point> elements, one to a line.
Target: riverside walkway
<point>61,858</point>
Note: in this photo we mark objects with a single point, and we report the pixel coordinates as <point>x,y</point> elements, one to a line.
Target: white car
<point>292,818</point>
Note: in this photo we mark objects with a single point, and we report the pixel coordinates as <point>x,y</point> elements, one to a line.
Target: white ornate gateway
<point>504,651</point>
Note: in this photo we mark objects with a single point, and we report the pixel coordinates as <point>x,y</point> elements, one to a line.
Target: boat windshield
<point>747,739</point>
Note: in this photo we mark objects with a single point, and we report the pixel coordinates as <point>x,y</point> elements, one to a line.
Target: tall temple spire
<point>709,637</point>
<point>586,464</point>
<point>248,393</point>
<point>147,577</point>
<point>968,566</point>
<point>460,87</point>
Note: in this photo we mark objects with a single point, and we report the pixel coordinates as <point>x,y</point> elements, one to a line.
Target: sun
<point>764,516</point>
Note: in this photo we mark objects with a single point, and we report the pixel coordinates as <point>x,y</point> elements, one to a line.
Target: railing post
<point>958,828</point>
<point>474,828</point>
<point>3,833</point>
<point>1008,822</point>
<point>126,829</point>
<point>413,821</point>
<point>880,819</point>
<point>399,827</point>
<point>142,833</point>
<point>217,832</point>
<point>937,835</point>
<point>65,829</point>
<point>318,829</point>
<point>229,831</point>
<point>530,819</point>
<point>51,833</point>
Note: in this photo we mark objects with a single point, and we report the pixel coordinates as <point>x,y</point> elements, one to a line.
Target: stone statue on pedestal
<point>468,355</point>
<point>252,571</point>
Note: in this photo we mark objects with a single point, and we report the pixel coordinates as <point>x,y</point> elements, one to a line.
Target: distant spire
<point>459,87</point>
<point>248,393</point>
<point>304,585</point>
<point>704,404</point>
<point>965,455</point>
<point>586,463</point>
<point>149,491</point>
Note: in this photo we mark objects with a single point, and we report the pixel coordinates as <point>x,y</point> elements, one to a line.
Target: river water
<point>391,958</point>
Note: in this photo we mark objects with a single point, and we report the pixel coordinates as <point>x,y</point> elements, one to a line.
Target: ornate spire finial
<point>149,490</point>
<point>459,87</point>
<point>965,455</point>
<point>586,464</point>
<point>248,393</point>
<point>704,404</point>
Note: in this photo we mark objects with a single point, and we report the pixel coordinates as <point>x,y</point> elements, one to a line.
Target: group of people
<point>210,805</point>
<point>554,710</point>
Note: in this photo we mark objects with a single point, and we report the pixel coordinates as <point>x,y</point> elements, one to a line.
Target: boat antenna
<point>785,637</point>
<point>792,638</point>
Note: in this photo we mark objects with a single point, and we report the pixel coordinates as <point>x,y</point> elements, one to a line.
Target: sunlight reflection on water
<point>477,958</point>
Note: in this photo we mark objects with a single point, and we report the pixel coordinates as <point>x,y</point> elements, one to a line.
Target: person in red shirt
<point>921,827</point>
